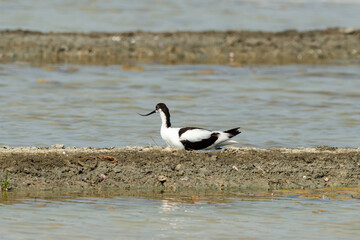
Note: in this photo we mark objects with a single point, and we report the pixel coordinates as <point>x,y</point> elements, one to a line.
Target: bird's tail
<point>232,132</point>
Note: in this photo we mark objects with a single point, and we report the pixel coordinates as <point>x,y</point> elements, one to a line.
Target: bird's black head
<point>161,108</point>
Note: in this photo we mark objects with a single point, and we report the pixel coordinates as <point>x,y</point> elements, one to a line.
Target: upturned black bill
<point>147,114</point>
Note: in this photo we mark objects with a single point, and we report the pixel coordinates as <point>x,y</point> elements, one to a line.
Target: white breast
<point>171,136</point>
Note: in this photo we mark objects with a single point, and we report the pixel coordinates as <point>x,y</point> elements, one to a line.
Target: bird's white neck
<point>165,120</point>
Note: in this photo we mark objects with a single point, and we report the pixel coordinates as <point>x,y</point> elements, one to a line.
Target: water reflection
<point>100,215</point>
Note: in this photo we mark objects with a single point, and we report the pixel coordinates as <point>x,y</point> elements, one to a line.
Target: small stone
<point>168,149</point>
<point>213,158</point>
<point>184,178</point>
<point>11,169</point>
<point>348,30</point>
<point>203,171</point>
<point>161,178</point>
<point>326,179</point>
<point>177,168</point>
<point>63,48</point>
<point>116,38</point>
<point>58,146</point>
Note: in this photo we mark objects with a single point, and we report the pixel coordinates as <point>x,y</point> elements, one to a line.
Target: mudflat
<point>329,46</point>
<point>61,168</point>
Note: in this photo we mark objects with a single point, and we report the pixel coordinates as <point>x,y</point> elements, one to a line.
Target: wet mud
<point>232,47</point>
<point>60,168</point>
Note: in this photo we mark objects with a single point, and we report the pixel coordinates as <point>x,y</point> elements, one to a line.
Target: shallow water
<point>172,15</point>
<point>286,106</point>
<point>208,216</point>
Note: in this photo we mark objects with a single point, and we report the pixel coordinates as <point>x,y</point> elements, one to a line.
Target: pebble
<point>184,178</point>
<point>58,146</point>
<point>177,168</point>
<point>348,30</point>
<point>203,171</point>
<point>161,178</point>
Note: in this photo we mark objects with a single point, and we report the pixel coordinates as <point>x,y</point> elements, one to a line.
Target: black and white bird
<point>191,138</point>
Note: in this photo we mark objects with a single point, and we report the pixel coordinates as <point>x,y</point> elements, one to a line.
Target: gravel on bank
<point>61,167</point>
<point>212,47</point>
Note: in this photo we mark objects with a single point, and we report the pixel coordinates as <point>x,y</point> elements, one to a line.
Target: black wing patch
<point>200,144</point>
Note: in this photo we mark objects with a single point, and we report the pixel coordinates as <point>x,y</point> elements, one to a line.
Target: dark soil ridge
<point>212,47</point>
<point>155,167</point>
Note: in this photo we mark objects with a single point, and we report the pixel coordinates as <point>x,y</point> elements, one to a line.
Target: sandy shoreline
<point>213,47</point>
<point>58,167</point>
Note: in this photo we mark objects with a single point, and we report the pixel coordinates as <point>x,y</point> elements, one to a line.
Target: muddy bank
<point>232,47</point>
<point>154,167</point>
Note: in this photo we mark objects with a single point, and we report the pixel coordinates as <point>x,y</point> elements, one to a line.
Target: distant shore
<point>234,48</point>
<point>59,168</point>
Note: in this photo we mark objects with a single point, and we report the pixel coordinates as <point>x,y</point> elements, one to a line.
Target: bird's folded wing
<point>196,135</point>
